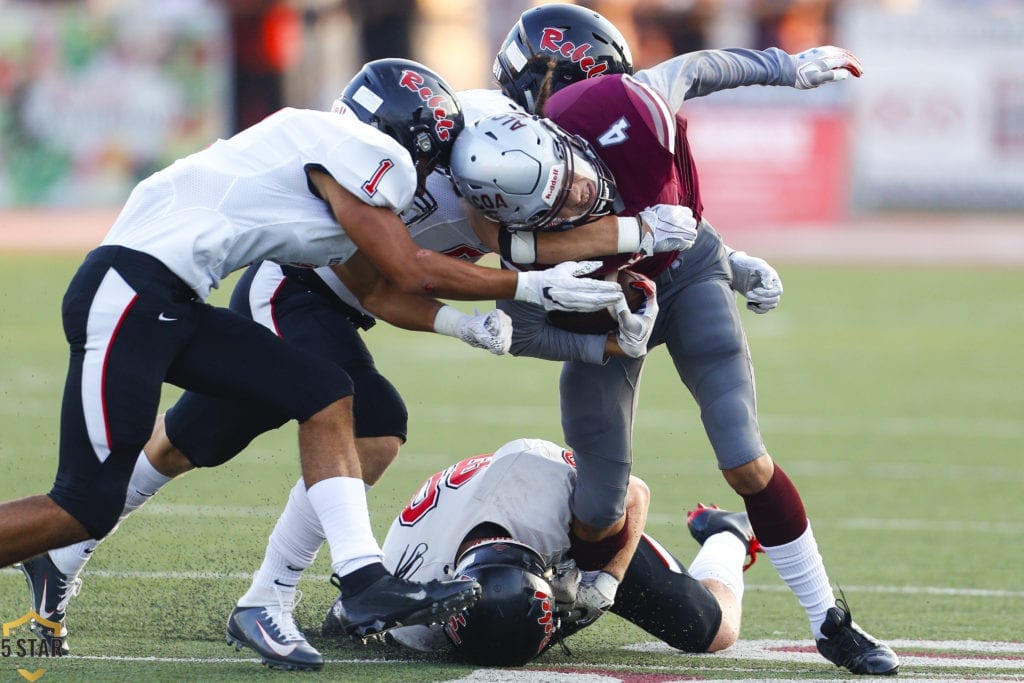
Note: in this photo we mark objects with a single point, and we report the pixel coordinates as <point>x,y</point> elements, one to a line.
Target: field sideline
<point>891,395</point>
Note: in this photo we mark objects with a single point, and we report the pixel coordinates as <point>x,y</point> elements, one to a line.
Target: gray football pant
<point>699,324</point>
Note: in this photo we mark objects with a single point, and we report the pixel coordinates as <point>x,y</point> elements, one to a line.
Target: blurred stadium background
<point>97,94</point>
<point>915,459</point>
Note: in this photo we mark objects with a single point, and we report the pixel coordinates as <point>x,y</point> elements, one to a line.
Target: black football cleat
<point>271,632</point>
<point>50,592</point>
<point>846,645</point>
<point>390,602</point>
<point>706,521</point>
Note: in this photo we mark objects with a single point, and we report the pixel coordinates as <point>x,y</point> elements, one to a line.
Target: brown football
<point>599,322</point>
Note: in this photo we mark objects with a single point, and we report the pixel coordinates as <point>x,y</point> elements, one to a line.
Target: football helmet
<point>514,620</point>
<point>415,106</point>
<point>519,170</point>
<point>572,42</point>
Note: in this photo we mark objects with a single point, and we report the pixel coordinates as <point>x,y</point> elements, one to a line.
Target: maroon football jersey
<point>642,141</point>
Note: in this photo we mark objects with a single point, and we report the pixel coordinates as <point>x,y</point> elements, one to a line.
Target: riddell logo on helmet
<point>414,81</point>
<point>553,40</point>
<point>547,619</point>
<point>554,184</point>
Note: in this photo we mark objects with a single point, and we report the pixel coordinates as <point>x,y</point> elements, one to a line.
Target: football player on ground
<point>634,123</point>
<point>135,317</point>
<point>502,518</point>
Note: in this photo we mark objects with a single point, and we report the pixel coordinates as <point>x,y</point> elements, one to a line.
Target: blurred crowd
<point>189,71</point>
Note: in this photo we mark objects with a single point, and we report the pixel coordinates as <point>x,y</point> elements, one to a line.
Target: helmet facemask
<point>520,170</point>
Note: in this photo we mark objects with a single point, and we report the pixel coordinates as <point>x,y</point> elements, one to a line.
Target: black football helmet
<point>415,106</point>
<point>575,43</point>
<point>514,620</point>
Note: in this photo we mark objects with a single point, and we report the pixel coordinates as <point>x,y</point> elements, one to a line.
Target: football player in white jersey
<point>135,315</point>
<point>319,311</point>
<point>503,519</point>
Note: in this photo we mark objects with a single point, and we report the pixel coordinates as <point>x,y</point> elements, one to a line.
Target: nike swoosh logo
<point>42,611</point>
<point>163,318</point>
<point>143,494</point>
<point>284,585</point>
<point>294,569</point>
<point>278,649</point>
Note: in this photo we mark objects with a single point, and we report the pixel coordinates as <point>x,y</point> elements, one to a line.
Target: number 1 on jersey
<point>370,186</point>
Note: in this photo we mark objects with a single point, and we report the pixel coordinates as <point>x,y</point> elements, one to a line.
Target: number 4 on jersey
<point>616,133</point>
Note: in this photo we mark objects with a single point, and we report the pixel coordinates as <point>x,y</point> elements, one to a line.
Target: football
<point>600,322</point>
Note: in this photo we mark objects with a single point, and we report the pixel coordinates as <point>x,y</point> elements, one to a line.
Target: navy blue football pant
<point>310,318</point>
<point>132,325</point>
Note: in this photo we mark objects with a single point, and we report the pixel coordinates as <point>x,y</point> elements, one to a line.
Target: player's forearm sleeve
<point>700,73</point>
<point>532,336</point>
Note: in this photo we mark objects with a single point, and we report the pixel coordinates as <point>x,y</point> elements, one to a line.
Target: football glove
<point>666,227</point>
<point>635,329</point>
<point>756,280</point>
<point>595,594</point>
<point>563,288</point>
<point>824,64</point>
<point>491,331</point>
<point>565,582</point>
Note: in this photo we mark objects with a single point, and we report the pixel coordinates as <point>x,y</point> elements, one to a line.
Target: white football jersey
<point>447,230</point>
<point>247,198</point>
<point>524,486</point>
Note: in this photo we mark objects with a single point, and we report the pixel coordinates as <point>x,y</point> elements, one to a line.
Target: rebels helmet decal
<point>553,40</point>
<point>444,125</point>
<point>546,619</point>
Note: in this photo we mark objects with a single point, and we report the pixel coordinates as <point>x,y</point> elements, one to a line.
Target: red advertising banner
<point>770,166</point>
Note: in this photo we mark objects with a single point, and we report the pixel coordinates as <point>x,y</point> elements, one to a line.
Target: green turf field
<point>894,399</point>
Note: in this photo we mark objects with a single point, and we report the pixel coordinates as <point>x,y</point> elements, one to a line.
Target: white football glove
<point>824,64</point>
<point>563,289</point>
<point>595,594</point>
<point>666,227</point>
<point>491,331</point>
<point>635,328</point>
<point>756,280</point>
<point>565,582</point>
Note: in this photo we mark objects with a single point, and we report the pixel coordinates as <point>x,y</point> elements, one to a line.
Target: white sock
<point>143,484</point>
<point>721,558</point>
<point>340,504</point>
<point>291,549</point>
<point>799,564</point>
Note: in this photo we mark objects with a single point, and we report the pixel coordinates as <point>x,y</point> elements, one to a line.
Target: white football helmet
<point>518,169</point>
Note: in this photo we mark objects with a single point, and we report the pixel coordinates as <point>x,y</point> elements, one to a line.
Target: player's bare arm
<point>638,501</point>
<point>383,299</point>
<point>658,229</point>
<point>383,238</point>
<point>491,330</point>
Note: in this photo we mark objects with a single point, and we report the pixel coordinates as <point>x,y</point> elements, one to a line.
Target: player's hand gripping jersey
<point>180,214</point>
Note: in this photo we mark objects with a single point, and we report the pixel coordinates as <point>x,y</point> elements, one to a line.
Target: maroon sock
<point>776,512</point>
<point>593,555</point>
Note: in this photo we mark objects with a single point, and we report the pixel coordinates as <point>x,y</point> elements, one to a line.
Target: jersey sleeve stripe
<point>662,117</point>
